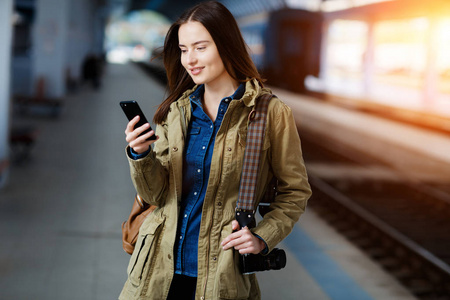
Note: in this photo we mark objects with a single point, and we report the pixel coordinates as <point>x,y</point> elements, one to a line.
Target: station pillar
<point>6,8</point>
<point>65,32</point>
<point>50,41</point>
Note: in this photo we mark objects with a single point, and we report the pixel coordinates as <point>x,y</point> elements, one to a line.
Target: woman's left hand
<point>243,240</point>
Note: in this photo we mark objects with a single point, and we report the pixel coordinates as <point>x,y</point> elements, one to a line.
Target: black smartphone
<point>131,109</point>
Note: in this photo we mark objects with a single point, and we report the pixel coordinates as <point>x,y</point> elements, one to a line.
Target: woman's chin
<point>197,80</point>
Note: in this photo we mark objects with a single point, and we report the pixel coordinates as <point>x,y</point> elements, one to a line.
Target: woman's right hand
<point>139,144</point>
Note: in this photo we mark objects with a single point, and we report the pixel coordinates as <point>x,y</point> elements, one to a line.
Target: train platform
<point>62,210</point>
<point>410,151</point>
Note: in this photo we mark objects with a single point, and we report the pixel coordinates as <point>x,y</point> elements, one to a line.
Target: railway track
<point>402,223</point>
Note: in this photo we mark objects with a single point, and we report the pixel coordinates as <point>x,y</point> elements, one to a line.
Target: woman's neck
<point>214,93</point>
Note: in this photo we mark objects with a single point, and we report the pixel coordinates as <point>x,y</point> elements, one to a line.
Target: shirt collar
<point>199,91</point>
<point>196,96</point>
<point>239,92</point>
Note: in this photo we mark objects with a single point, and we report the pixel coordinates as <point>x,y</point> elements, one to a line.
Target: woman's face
<point>199,55</point>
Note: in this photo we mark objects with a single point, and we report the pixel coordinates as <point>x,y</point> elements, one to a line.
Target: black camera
<point>251,263</point>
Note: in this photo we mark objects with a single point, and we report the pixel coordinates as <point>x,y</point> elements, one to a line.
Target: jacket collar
<point>252,91</point>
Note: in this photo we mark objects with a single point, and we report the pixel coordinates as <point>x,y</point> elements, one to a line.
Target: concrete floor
<point>60,213</point>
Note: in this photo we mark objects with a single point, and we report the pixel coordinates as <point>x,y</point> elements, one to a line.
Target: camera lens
<point>276,260</point>
<point>280,259</point>
<point>251,263</point>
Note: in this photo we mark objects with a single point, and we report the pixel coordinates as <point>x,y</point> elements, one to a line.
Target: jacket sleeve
<point>150,173</point>
<point>288,167</point>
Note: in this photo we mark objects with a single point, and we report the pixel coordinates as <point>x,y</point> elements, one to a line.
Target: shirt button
<point>229,149</point>
<point>203,147</point>
<point>195,193</point>
<point>211,126</point>
<point>214,258</point>
<point>219,203</point>
<point>185,216</point>
<point>198,170</point>
<point>181,237</point>
<point>174,149</point>
<point>169,256</point>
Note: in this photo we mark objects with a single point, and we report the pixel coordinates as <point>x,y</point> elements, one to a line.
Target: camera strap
<point>245,205</point>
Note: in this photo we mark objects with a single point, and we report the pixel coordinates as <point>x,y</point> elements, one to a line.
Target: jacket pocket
<point>192,138</point>
<point>141,258</point>
<point>232,284</point>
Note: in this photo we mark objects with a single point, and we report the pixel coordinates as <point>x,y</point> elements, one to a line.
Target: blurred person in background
<point>188,248</point>
<point>92,70</point>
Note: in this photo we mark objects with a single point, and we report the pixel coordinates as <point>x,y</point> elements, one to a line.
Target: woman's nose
<point>192,58</point>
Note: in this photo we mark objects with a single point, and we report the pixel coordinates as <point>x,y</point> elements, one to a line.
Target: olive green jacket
<point>158,179</point>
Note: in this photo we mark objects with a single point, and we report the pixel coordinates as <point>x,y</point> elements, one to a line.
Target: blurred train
<point>286,46</point>
<point>390,52</point>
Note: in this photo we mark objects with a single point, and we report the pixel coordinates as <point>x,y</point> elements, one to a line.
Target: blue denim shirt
<point>199,148</point>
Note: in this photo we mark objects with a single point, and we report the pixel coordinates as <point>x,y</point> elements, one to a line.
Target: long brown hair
<point>222,26</point>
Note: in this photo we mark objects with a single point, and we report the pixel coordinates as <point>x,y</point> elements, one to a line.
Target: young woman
<point>188,248</point>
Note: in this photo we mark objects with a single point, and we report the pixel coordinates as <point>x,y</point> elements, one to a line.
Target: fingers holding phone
<point>138,139</point>
<point>139,133</point>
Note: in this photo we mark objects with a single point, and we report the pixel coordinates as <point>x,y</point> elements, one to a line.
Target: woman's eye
<point>201,48</point>
<point>183,50</point>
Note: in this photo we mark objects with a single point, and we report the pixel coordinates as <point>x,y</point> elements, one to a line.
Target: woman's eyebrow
<point>193,44</point>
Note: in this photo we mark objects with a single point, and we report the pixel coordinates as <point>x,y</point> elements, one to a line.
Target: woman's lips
<point>196,71</point>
